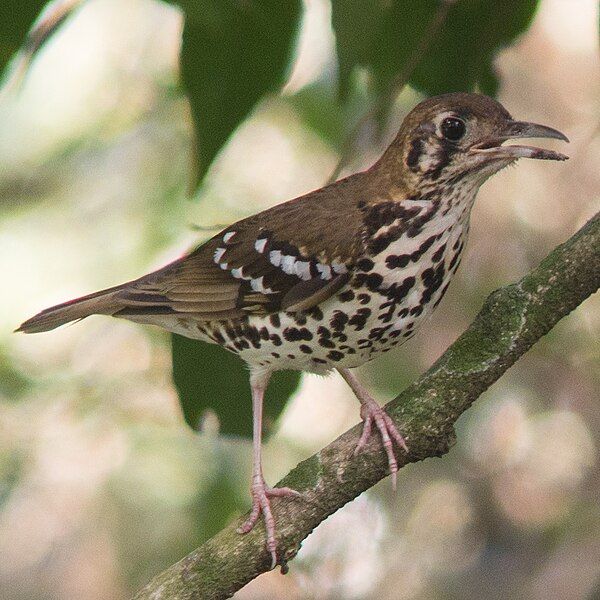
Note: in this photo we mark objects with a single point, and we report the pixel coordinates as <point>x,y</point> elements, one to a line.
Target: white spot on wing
<point>302,269</point>
<point>325,271</point>
<point>257,285</point>
<point>287,264</point>
<point>219,254</point>
<point>260,245</point>
<point>228,236</point>
<point>275,257</point>
<point>237,273</point>
<point>339,268</point>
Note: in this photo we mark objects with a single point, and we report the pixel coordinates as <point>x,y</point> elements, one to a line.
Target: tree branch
<point>512,319</point>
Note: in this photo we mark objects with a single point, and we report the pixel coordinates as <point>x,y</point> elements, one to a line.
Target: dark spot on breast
<point>275,320</point>
<point>377,332</point>
<point>319,360</point>
<point>275,339</point>
<point>397,293</point>
<point>439,253</point>
<point>253,335</point>
<point>293,334</point>
<point>374,281</point>
<point>364,298</point>
<point>417,224</point>
<point>326,343</point>
<point>241,344</point>
<point>416,255</point>
<point>299,318</point>
<point>346,296</point>
<point>316,313</point>
<point>323,331</point>
<point>397,261</point>
<point>365,264</point>
<point>358,280</point>
<point>306,349</point>
<point>275,354</point>
<point>335,355</point>
<point>383,214</point>
<point>432,279</point>
<point>359,320</point>
<point>339,320</point>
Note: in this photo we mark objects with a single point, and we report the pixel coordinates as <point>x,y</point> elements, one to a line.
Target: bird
<point>332,279</point>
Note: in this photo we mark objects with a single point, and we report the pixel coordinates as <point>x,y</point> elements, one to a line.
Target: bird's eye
<point>453,128</point>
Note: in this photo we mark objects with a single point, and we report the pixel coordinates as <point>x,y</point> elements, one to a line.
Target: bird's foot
<point>261,493</point>
<point>371,412</point>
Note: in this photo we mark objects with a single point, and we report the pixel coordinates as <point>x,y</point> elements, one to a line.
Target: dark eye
<point>453,128</point>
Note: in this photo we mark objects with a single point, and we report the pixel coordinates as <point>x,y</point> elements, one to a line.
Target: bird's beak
<point>521,129</point>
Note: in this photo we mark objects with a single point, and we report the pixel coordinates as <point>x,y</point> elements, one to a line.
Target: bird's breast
<point>389,295</point>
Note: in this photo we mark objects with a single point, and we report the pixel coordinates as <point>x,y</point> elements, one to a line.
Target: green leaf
<point>16,19</point>
<point>17,30</point>
<point>355,47</point>
<point>233,53</point>
<point>457,58</point>
<point>317,106</point>
<point>210,377</point>
<point>461,56</point>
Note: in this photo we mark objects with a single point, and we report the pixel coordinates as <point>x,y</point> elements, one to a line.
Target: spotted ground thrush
<point>331,279</point>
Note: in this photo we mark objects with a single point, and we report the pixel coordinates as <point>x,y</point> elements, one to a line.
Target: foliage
<point>235,53</point>
<point>459,56</point>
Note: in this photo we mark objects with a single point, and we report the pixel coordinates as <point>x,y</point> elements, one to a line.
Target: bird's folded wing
<point>267,263</point>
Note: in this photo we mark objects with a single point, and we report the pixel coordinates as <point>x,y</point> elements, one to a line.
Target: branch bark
<point>512,319</point>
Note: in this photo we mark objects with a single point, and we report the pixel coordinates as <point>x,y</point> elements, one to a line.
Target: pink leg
<point>259,489</point>
<point>371,411</point>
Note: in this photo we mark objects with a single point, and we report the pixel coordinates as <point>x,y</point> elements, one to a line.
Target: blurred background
<point>102,484</point>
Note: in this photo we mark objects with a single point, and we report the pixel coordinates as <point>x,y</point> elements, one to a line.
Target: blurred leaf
<point>21,27</point>
<point>461,56</point>
<point>233,53</point>
<point>319,109</point>
<point>210,377</point>
<point>218,503</point>
<point>16,19</point>
<point>457,58</point>
<point>355,47</point>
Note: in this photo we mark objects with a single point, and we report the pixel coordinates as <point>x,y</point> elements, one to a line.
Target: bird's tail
<point>99,303</point>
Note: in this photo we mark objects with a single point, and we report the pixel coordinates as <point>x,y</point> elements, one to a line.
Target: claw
<point>261,504</point>
<point>371,412</point>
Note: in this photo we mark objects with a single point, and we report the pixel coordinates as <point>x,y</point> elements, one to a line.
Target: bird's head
<point>460,137</point>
